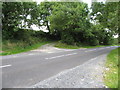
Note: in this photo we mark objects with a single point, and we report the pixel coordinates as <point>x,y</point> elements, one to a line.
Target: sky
<point>86,1</point>
<point>89,2</point>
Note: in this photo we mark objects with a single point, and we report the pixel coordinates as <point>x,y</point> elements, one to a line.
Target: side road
<point>45,49</point>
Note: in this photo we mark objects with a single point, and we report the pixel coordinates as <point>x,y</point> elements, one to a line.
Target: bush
<point>40,34</point>
<point>67,38</point>
<point>116,41</point>
<point>7,34</point>
<point>93,42</point>
<point>108,41</point>
<point>22,34</point>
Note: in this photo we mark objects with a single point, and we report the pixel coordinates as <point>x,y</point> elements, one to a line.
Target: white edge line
<point>5,66</point>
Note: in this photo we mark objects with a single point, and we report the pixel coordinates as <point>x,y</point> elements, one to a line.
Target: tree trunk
<point>48,27</point>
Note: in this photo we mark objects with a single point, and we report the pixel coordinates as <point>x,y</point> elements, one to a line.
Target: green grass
<point>15,47</point>
<point>65,46</point>
<point>111,74</point>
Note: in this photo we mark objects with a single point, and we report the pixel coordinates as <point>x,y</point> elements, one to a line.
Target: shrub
<point>22,34</point>
<point>93,42</point>
<point>108,41</point>
<point>67,38</point>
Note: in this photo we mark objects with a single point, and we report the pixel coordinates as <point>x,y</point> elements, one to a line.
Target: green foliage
<point>80,45</point>
<point>66,46</point>
<point>45,9</point>
<point>108,41</point>
<point>13,16</point>
<point>26,36</point>
<point>30,9</point>
<point>70,22</point>
<point>106,15</point>
<point>116,41</point>
<point>93,41</point>
<point>68,19</point>
<point>14,46</point>
<point>67,38</point>
<point>102,35</point>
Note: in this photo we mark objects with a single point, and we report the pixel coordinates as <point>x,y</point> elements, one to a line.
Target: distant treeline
<point>70,22</point>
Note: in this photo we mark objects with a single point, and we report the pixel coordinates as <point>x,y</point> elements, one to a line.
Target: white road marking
<point>36,50</point>
<point>70,54</point>
<point>58,49</point>
<point>90,50</point>
<point>61,56</point>
<point>55,57</point>
<point>50,52</point>
<point>5,66</point>
<point>31,54</point>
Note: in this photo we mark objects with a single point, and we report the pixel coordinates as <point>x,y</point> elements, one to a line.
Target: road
<point>27,69</point>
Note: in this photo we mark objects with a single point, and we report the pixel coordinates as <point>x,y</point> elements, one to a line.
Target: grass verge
<point>111,72</point>
<point>15,47</point>
<point>65,46</point>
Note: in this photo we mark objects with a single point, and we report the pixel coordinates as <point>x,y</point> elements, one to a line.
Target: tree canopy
<point>71,22</point>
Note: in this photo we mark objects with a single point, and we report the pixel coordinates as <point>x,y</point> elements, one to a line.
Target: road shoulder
<point>87,75</point>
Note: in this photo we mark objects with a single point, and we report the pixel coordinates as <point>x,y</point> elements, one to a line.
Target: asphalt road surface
<point>27,69</point>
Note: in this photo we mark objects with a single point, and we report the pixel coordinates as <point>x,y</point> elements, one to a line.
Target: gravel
<point>87,75</point>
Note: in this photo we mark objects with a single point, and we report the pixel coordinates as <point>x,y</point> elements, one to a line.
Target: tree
<point>45,9</point>
<point>106,15</point>
<point>13,16</point>
<point>69,22</point>
<point>69,18</point>
<point>30,9</point>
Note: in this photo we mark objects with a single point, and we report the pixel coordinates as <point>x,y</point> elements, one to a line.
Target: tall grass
<point>23,40</point>
<point>111,72</point>
<point>17,46</point>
